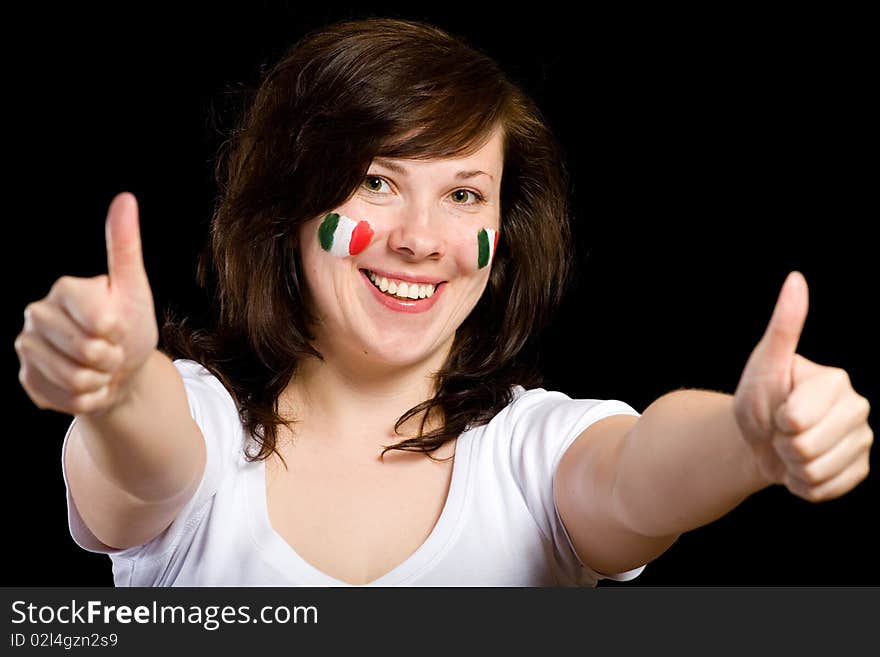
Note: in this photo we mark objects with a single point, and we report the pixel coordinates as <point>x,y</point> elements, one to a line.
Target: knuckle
<point>29,311</point>
<point>800,450</point>
<point>24,346</point>
<point>85,404</point>
<point>866,406</point>
<point>842,375</point>
<point>811,475</point>
<point>90,350</point>
<point>813,494</point>
<point>105,322</point>
<point>79,405</point>
<point>81,380</point>
<point>793,416</point>
<point>864,438</point>
<point>62,285</point>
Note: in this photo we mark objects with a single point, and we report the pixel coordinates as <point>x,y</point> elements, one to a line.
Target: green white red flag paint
<point>487,241</point>
<point>343,236</point>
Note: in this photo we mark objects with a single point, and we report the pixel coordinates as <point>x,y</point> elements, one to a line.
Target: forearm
<point>149,444</point>
<point>683,464</point>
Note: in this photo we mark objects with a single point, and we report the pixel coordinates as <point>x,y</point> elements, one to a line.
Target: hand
<point>84,343</point>
<point>807,426</point>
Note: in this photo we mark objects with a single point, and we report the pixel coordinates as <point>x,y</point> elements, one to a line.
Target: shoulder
<point>204,390</point>
<point>212,407</point>
<point>518,453</point>
<point>538,425</point>
<point>554,412</point>
<point>196,372</point>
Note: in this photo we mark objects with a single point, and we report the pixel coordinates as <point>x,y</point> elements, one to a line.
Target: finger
<point>853,446</point>
<point>58,368</point>
<point>87,302</point>
<point>780,340</point>
<point>811,399</point>
<point>125,260</point>
<point>46,395</point>
<point>51,323</point>
<point>829,490</point>
<point>844,417</point>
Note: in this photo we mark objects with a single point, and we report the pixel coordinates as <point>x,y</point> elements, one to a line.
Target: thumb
<point>125,260</point>
<point>780,340</point>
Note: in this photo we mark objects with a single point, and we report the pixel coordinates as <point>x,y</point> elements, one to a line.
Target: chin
<point>401,348</point>
<point>396,357</point>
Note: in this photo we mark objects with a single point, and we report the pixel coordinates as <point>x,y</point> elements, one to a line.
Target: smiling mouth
<point>401,289</point>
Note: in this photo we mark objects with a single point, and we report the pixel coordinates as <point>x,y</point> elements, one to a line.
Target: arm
<point>628,487</point>
<point>132,469</point>
<point>134,455</point>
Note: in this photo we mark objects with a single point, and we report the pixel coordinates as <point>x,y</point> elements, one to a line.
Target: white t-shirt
<point>498,527</point>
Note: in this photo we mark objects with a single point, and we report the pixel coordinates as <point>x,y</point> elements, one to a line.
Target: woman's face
<point>426,218</point>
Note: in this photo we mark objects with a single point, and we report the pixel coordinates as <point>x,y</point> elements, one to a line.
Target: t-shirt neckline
<point>279,553</point>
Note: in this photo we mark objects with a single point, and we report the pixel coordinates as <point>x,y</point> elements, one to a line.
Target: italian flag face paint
<point>342,236</point>
<point>487,240</point>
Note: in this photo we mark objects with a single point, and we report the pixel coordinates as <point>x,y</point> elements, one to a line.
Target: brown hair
<point>342,95</point>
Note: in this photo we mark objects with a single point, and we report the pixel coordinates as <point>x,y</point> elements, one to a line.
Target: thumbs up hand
<point>83,344</point>
<point>806,425</point>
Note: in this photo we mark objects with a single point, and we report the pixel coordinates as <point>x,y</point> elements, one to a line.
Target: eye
<point>370,181</point>
<point>478,198</point>
<point>373,184</point>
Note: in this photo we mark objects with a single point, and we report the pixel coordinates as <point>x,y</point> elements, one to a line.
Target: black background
<point>711,154</point>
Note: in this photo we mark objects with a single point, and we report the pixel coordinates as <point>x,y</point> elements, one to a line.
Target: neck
<point>356,404</point>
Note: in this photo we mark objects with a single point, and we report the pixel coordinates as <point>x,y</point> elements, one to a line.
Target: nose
<point>417,236</point>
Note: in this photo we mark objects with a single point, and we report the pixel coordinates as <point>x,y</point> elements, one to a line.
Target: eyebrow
<point>396,168</point>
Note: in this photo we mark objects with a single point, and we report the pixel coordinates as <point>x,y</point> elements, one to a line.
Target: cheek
<point>487,242</point>
<point>343,236</point>
<point>475,248</point>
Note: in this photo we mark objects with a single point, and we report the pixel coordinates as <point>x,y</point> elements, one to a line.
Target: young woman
<point>391,235</point>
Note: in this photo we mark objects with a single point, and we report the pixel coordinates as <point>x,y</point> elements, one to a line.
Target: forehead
<point>488,159</point>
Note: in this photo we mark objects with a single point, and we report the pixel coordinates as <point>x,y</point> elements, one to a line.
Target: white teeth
<point>402,290</point>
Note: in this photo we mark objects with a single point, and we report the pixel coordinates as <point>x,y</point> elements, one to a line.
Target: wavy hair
<point>340,96</point>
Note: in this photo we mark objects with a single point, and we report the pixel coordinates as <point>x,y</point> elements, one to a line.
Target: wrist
<point>126,393</point>
<point>754,457</point>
